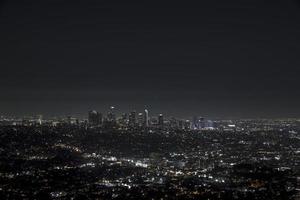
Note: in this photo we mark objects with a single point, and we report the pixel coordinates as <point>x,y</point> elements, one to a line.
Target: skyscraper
<point>140,119</point>
<point>132,119</point>
<point>111,116</point>
<point>95,118</point>
<point>160,121</point>
<point>174,123</point>
<point>187,125</point>
<point>146,118</point>
<point>195,124</point>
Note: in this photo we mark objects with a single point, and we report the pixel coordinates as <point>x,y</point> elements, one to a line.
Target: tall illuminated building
<point>140,119</point>
<point>195,123</point>
<point>160,121</point>
<point>111,116</point>
<point>187,125</point>
<point>146,118</point>
<point>132,119</point>
<point>174,123</point>
<point>94,118</point>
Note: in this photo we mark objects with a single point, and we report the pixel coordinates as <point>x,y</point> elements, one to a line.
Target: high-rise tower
<point>95,118</point>
<point>146,118</point>
<point>132,119</point>
<point>111,116</point>
<point>160,121</point>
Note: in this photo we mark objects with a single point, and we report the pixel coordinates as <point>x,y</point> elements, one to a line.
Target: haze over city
<point>232,59</point>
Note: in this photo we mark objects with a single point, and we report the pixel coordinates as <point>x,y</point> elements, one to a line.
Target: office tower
<point>146,118</point>
<point>94,118</point>
<point>201,122</point>
<point>187,125</point>
<point>173,123</point>
<point>132,119</point>
<point>140,119</point>
<point>195,123</point>
<point>124,119</point>
<point>99,119</point>
<point>111,116</point>
<point>180,124</point>
<point>153,120</point>
<point>160,121</point>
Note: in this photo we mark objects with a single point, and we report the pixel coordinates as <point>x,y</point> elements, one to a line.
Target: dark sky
<point>214,58</point>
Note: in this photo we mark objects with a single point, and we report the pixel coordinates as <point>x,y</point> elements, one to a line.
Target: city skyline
<point>119,114</point>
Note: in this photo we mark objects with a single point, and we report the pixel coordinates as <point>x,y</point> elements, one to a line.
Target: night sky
<point>213,58</point>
